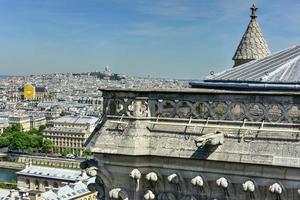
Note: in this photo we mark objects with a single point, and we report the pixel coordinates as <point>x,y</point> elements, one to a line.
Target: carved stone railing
<point>203,104</point>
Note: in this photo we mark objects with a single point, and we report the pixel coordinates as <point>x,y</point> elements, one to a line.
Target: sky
<point>182,39</point>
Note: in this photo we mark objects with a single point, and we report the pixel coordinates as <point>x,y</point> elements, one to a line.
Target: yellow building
<point>31,92</point>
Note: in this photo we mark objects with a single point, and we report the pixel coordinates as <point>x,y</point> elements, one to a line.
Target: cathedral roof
<point>253,46</point>
<point>280,67</point>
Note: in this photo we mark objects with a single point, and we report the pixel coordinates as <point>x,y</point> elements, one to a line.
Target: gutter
<point>246,86</point>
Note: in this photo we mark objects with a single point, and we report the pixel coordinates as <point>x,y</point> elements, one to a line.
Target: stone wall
<point>148,146</point>
<point>169,178</point>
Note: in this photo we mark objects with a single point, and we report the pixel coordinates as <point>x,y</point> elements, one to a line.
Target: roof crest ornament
<point>253,11</point>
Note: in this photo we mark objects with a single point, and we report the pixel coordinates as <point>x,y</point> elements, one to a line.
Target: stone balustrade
<point>203,104</point>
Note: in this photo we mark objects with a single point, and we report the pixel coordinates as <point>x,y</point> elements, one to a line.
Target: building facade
<point>31,92</point>
<point>22,120</point>
<point>70,133</point>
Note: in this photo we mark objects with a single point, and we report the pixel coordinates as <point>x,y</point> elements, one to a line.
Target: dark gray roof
<point>280,67</point>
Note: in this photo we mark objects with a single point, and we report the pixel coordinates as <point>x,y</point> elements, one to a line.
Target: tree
<point>42,128</point>
<point>87,152</point>
<point>13,128</point>
<point>66,151</point>
<point>47,145</point>
<point>56,150</point>
<point>17,141</point>
<point>4,142</point>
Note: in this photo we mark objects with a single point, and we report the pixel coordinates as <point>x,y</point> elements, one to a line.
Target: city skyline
<point>168,39</point>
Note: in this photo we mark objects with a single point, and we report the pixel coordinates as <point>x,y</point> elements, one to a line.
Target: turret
<point>253,46</point>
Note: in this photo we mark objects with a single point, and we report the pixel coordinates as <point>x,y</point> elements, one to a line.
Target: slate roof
<point>67,193</point>
<point>252,45</point>
<point>280,67</point>
<point>50,172</point>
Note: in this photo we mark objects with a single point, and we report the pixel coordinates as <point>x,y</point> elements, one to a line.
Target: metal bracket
<point>120,122</point>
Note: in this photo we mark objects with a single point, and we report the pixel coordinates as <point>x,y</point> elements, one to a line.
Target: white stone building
<point>71,132</point>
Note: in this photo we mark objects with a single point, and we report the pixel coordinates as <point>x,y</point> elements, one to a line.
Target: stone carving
<point>201,110</point>
<point>275,113</point>
<point>222,182</point>
<point>135,174</point>
<point>210,139</point>
<point>248,186</point>
<point>96,184</point>
<point>293,113</point>
<point>92,171</point>
<point>255,112</point>
<point>173,178</point>
<point>152,177</point>
<point>201,187</point>
<point>129,107</point>
<point>118,193</point>
<point>197,181</point>
<point>90,167</point>
<point>275,188</point>
<point>140,108</point>
<point>149,195</point>
<point>218,110</point>
<point>178,181</point>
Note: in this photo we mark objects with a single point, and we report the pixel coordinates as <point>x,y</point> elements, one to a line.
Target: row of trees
<point>15,138</point>
<point>31,141</point>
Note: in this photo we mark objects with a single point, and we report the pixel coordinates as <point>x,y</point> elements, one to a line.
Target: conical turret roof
<point>253,46</point>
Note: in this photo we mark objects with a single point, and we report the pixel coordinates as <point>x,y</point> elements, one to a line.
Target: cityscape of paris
<point>149,100</point>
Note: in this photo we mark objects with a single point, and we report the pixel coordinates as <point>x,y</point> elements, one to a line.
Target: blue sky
<point>161,38</point>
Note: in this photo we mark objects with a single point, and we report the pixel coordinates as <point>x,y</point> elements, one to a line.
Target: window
<point>36,185</point>
<point>27,182</point>
<point>46,184</point>
<point>55,185</point>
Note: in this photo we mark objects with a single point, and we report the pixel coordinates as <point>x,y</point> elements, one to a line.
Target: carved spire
<point>253,46</point>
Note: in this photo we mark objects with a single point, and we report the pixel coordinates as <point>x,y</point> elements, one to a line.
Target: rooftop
<point>65,129</point>
<point>280,67</point>
<point>76,120</point>
<point>50,172</point>
<point>66,192</point>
